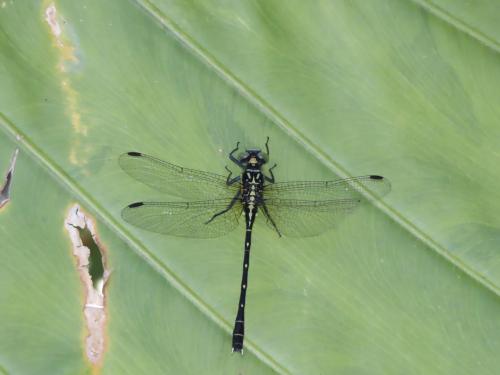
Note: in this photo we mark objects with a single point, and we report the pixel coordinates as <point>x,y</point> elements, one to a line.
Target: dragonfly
<point>213,204</point>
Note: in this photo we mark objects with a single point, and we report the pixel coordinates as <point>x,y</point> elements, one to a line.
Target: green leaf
<point>404,89</point>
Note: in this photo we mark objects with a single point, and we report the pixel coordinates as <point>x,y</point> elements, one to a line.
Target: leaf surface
<point>341,88</point>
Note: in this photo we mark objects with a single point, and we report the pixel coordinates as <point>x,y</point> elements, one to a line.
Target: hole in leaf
<point>91,265</point>
<point>5,189</point>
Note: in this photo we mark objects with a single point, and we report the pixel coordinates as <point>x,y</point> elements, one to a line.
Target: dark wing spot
<point>136,204</point>
<point>133,153</point>
<point>375,177</point>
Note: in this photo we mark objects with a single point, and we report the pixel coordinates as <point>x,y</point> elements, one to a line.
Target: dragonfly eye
<point>263,156</point>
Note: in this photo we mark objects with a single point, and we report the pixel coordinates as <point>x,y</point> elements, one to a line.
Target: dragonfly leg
<point>233,201</point>
<point>268,217</point>
<point>271,179</point>
<point>229,180</point>
<point>267,146</point>
<point>233,159</point>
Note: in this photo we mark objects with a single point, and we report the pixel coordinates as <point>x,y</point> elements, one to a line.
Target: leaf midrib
<point>448,18</point>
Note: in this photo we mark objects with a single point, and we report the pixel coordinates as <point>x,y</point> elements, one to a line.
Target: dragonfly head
<point>253,157</point>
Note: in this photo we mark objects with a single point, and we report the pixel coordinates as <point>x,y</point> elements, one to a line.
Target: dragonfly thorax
<point>252,186</point>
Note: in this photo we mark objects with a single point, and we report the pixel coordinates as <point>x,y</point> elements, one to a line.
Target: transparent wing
<point>175,180</point>
<point>309,208</point>
<point>294,218</point>
<point>184,219</point>
<point>349,188</point>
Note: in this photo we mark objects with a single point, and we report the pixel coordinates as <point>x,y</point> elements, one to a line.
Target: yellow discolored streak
<point>67,58</point>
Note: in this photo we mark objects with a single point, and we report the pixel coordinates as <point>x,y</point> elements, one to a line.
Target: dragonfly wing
<point>349,188</point>
<point>185,219</point>
<point>175,180</point>
<point>301,218</point>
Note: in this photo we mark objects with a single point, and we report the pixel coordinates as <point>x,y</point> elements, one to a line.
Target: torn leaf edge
<point>5,190</point>
<point>94,306</point>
